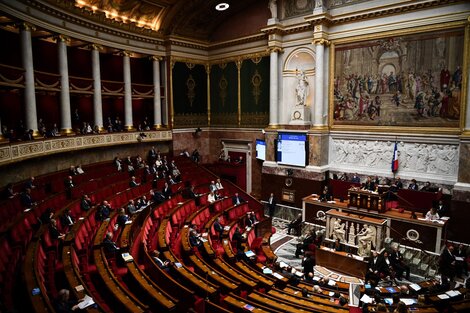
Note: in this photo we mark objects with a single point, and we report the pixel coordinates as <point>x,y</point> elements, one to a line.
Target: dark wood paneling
<point>302,187</point>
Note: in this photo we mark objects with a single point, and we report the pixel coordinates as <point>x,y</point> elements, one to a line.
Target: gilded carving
<point>256,80</point>
<point>191,92</point>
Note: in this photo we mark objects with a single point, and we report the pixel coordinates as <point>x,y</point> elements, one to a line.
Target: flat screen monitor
<point>292,149</point>
<point>260,149</point>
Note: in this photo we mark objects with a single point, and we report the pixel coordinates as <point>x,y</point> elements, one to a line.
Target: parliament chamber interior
<point>256,155</point>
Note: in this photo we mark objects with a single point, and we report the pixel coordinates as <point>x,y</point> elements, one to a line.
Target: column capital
<point>274,49</point>
<point>95,46</point>
<point>321,41</point>
<point>125,53</point>
<point>156,58</point>
<point>238,64</point>
<point>27,26</point>
<point>62,38</point>
<point>207,66</point>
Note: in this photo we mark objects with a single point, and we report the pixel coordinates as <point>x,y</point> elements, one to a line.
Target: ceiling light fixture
<point>222,6</point>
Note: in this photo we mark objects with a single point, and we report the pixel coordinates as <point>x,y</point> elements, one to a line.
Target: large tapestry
<point>412,80</point>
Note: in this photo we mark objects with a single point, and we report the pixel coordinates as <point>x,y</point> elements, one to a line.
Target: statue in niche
<point>302,88</point>
<point>366,239</point>
<point>351,235</point>
<point>272,5</point>
<point>338,230</point>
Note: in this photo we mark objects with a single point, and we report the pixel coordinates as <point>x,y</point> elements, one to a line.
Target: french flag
<point>395,158</point>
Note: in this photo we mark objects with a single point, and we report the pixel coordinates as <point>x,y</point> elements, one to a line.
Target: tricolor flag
<point>395,158</point>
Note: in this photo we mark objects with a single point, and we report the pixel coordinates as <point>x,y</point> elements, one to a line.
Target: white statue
<point>302,88</point>
<point>365,238</point>
<point>351,235</point>
<point>338,230</point>
<point>273,8</point>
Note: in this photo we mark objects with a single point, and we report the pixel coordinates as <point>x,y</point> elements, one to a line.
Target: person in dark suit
<point>325,195</point>
<point>164,265</point>
<point>193,195</point>
<point>369,184</point>
<point>103,211</point>
<point>30,183</point>
<point>237,237</point>
<point>413,185</point>
<point>441,209</point>
<point>295,224</point>
<point>26,200</point>
<point>133,183</point>
<point>271,205</point>
<point>122,218</point>
<point>54,231</point>
<point>399,264</point>
<point>66,220</point>
<point>9,193</point>
<point>218,227</point>
<point>68,184</point>
<point>373,268</point>
<point>249,222</point>
<point>355,178</point>
<point>236,200</point>
<point>166,191</point>
<point>447,263</point>
<point>194,241</point>
<point>308,263</point>
<point>109,245</point>
<point>85,204</point>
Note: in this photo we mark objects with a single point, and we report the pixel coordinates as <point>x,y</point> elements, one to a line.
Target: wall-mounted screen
<point>292,149</point>
<point>260,149</point>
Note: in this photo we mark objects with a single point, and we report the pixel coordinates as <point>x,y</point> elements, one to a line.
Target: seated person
<point>212,186</point>
<point>441,208</point>
<point>325,195</point>
<point>427,187</point>
<point>166,191</point>
<point>141,203</point>
<point>250,219</point>
<point>211,197</point>
<point>164,265</point>
<point>236,200</point>
<point>9,193</point>
<point>344,177</point>
<point>66,219</point>
<point>54,231</point>
<point>63,304</point>
<point>374,268</point>
<point>355,178</point>
<point>26,199</point>
<point>368,185</point>
<point>413,185</point>
<point>218,227</point>
<point>86,204</point>
<point>237,237</point>
<point>108,244</point>
<point>133,182</point>
<point>432,215</point>
<point>396,185</point>
<point>194,240</point>
<point>295,224</point>
<point>103,211</point>
<point>131,207</point>
<point>122,218</point>
<point>218,184</point>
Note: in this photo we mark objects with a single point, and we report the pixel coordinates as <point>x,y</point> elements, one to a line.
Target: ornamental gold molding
<point>321,41</point>
<point>11,153</point>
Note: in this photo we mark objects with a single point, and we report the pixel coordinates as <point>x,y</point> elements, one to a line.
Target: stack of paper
<point>86,302</point>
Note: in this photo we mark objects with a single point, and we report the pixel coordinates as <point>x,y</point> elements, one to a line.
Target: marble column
<point>97,102</point>
<point>65,114</point>
<point>467,107</point>
<point>273,87</point>
<point>157,101</point>
<point>317,108</point>
<point>29,91</point>
<point>128,120</point>
<point>165,92</point>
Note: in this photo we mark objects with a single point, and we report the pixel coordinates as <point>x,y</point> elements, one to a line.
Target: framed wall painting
<point>404,80</point>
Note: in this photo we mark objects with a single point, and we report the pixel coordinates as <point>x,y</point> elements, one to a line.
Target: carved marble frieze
<point>428,159</point>
<point>10,153</point>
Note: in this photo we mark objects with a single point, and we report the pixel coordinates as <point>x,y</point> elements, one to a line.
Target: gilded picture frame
<point>401,80</point>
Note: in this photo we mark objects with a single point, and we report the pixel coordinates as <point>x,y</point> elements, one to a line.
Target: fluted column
<point>65,114</point>
<point>319,81</point>
<point>97,102</point>
<point>274,87</point>
<point>157,101</point>
<point>30,90</point>
<point>128,120</point>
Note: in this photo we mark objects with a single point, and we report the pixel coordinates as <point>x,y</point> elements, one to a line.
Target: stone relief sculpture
<point>366,240</point>
<point>338,230</point>
<point>352,235</point>
<point>426,158</point>
<point>272,5</point>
